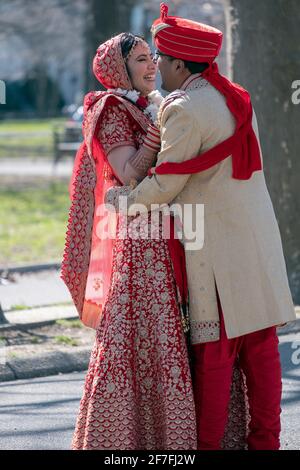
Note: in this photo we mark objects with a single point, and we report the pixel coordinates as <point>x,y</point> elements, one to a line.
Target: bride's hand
<point>133,183</point>
<point>112,195</point>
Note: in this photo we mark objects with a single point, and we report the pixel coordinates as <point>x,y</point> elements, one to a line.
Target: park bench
<point>66,141</point>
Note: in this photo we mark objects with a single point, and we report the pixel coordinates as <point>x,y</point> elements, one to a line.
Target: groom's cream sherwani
<point>242,251</point>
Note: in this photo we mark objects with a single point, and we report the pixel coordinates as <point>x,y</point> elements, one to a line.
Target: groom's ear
<point>179,65</point>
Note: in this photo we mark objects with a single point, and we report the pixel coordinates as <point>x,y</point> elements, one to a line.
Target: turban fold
<point>186,39</point>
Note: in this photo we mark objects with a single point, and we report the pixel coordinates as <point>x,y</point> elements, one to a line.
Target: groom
<point>238,288</point>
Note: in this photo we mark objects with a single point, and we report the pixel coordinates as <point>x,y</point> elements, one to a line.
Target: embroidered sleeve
<point>115,128</point>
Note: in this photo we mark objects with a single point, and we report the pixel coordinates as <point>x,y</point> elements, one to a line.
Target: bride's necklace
<point>149,105</point>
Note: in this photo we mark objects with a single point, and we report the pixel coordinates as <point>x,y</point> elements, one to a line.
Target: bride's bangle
<point>152,139</point>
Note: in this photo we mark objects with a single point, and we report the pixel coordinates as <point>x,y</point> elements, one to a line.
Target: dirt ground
<point>64,335</point>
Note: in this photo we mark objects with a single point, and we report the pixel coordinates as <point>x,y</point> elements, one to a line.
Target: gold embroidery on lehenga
<point>143,382</point>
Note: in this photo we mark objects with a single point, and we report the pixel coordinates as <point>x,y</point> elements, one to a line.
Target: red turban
<point>186,39</point>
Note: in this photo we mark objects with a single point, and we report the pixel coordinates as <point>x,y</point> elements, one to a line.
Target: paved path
<point>40,413</point>
<point>33,289</point>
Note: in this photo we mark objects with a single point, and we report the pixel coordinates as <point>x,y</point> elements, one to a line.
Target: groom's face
<point>167,68</point>
<point>173,71</point>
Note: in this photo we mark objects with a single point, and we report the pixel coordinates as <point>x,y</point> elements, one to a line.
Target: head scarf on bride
<point>109,65</point>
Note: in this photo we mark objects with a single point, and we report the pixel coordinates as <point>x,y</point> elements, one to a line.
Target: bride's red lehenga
<point>138,391</point>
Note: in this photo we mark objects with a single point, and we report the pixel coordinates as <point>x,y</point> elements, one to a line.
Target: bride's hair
<point>128,41</point>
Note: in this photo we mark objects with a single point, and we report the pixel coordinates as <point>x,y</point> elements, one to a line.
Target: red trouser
<point>212,374</point>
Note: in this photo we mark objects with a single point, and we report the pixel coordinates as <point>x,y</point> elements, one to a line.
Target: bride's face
<point>141,68</point>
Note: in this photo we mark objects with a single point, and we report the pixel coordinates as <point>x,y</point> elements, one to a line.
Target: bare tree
<point>266,60</point>
<point>42,37</point>
<point>2,319</point>
<point>103,20</point>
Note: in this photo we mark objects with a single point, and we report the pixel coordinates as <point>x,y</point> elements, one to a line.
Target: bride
<point>138,391</point>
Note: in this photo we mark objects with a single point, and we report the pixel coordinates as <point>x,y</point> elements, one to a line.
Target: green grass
<point>28,307</point>
<point>70,323</point>
<point>66,340</point>
<point>35,340</point>
<point>28,145</point>
<point>32,125</point>
<point>19,307</point>
<point>33,222</point>
<point>13,355</point>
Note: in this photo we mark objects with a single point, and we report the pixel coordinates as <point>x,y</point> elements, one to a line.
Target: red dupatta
<point>87,260</point>
<point>86,265</point>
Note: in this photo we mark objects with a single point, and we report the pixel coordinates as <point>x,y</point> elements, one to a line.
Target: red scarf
<point>242,145</point>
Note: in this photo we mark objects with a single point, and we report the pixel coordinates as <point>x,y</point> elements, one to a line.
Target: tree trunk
<point>265,59</point>
<point>104,19</point>
<point>41,90</point>
<point>3,320</point>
